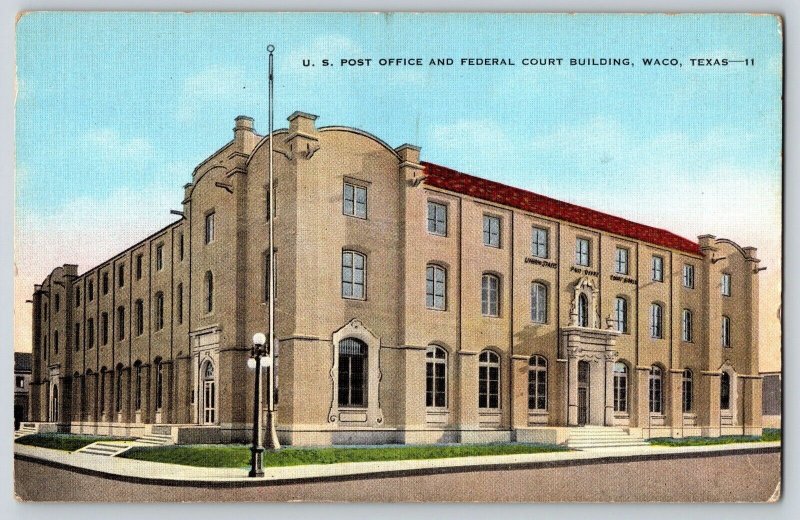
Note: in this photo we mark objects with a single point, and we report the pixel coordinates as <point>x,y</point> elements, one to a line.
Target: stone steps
<point>23,431</point>
<point>602,437</point>
<point>106,449</point>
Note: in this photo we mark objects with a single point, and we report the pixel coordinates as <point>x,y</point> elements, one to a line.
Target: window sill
<point>622,415</point>
<point>354,216</point>
<point>538,413</point>
<point>442,235</point>
<point>435,309</point>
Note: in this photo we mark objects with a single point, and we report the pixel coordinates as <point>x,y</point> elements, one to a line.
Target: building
<point>414,304</point>
<point>22,381</point>
<point>771,404</point>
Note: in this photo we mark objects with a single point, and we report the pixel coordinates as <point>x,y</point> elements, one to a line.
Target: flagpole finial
<point>270,48</point>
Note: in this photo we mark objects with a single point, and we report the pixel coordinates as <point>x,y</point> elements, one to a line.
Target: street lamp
<point>261,349</point>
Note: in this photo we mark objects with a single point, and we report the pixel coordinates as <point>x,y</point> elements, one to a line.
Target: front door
<point>583,393</point>
<point>209,395</point>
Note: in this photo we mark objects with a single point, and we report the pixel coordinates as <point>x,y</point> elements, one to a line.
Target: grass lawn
<point>61,441</point>
<point>237,456</point>
<point>768,435</point>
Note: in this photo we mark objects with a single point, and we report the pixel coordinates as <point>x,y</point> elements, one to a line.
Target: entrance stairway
<point>114,448</point>
<point>588,437</point>
<point>24,429</point>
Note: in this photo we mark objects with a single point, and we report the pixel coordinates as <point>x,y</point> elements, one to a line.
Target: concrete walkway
<point>171,474</point>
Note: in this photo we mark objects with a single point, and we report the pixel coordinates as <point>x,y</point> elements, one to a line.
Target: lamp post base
<point>257,462</point>
<point>272,441</point>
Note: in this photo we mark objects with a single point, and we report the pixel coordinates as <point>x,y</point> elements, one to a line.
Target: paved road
<point>741,478</point>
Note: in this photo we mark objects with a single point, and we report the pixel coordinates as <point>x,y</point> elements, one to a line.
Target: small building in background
<point>22,380</point>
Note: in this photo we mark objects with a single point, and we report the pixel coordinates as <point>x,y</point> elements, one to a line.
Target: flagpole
<point>272,436</point>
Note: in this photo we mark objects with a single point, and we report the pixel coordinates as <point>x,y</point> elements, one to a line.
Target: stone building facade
<point>414,304</point>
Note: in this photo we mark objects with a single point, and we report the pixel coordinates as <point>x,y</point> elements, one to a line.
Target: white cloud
<point>216,86</point>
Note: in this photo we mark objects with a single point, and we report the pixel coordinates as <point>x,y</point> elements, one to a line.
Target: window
<point>102,394</point>
<point>583,310</point>
<point>209,292</point>
<point>57,303</point>
<point>726,331</point>
<point>488,380</point>
<point>179,302</point>
<point>118,399</point>
<point>539,242</point>
<point>265,277</point>
<point>180,247</point>
<point>105,282</point>
<point>620,387</point>
<point>77,336</point>
<point>437,219</point>
<point>687,387</point>
<point>354,201</point>
<point>538,302</point>
<point>621,314</point>
<point>209,234</point>
<point>537,383</point>
<point>656,321</point>
<point>352,373</point>
<point>139,309</point>
<point>121,276</point>
<point>139,267</point>
<point>120,323</point>
<point>658,268</point>
<point>491,231</point>
<point>726,284</point>
<point>582,252</point>
<point>20,382</point>
<point>137,388</point>
<point>158,318</point>
<point>353,275</point>
<point>104,328</point>
<point>436,377</point>
<point>656,394</point>
<point>159,384</point>
<point>90,291</point>
<point>490,295</point>
<point>725,391</point>
<point>90,332</point>
<point>687,325</point>
<point>159,257</point>
<point>435,287</point>
<point>77,296</point>
<point>688,276</point>
<point>621,261</point>
<point>55,342</point>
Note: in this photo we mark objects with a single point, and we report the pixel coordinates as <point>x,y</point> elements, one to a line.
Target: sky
<point>114,110</point>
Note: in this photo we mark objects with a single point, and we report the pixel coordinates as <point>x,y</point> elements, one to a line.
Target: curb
<point>504,466</point>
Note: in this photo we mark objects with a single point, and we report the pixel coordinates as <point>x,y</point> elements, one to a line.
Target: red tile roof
<point>452,180</point>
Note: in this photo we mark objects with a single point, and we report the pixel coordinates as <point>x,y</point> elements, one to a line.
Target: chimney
<point>303,138</point>
<point>410,169</point>
<point>244,134</point>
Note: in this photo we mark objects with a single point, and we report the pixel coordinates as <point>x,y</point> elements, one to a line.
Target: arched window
<point>139,308</point>
<point>159,384</point>
<point>621,314</point>
<point>688,391</point>
<point>120,323</point>
<point>537,383</point>
<point>488,380</point>
<point>159,311</point>
<point>137,389</point>
<point>687,326</point>
<point>436,377</point>
<point>725,391</point>
<point>656,391</point>
<point>208,373</point>
<point>538,302</point>
<point>118,387</point>
<point>352,387</point>
<point>354,270</point>
<point>620,387</point>
<point>209,394</point>
<point>656,321</point>
<point>583,310</point>
<point>490,295</point>
<point>209,292</point>
<point>435,287</point>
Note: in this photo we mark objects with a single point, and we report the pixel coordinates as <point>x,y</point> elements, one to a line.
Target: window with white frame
<point>726,284</point>
<point>159,257</point>
<point>687,387</point>
<point>538,302</point>
<point>687,326</point>
<point>353,275</point>
<point>658,268</point>
<point>621,314</point>
<point>354,200</point>
<point>537,383</point>
<point>540,242</point>
<point>490,295</point>
<point>688,276</point>
<point>621,261</point>
<point>656,321</point>
<point>582,251</point>
<point>726,331</point>
<point>209,229</point>
<point>139,310</point>
<point>656,390</point>
<point>583,310</point>
<point>435,287</point>
<point>209,292</point>
<point>488,380</point>
<point>491,231</point>
<point>437,219</point>
<point>158,318</point>
<point>620,387</point>
<point>436,377</point>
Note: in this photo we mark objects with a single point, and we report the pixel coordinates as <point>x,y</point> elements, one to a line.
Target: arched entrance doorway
<point>209,404</point>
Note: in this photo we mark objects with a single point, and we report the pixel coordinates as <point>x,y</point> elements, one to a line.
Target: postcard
<point>397,257</point>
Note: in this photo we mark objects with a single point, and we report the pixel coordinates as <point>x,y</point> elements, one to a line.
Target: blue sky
<point>114,110</point>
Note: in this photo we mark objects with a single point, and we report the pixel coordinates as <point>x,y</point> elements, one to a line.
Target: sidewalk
<point>171,474</point>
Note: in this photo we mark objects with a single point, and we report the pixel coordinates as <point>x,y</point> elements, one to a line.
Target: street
<point>737,478</point>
